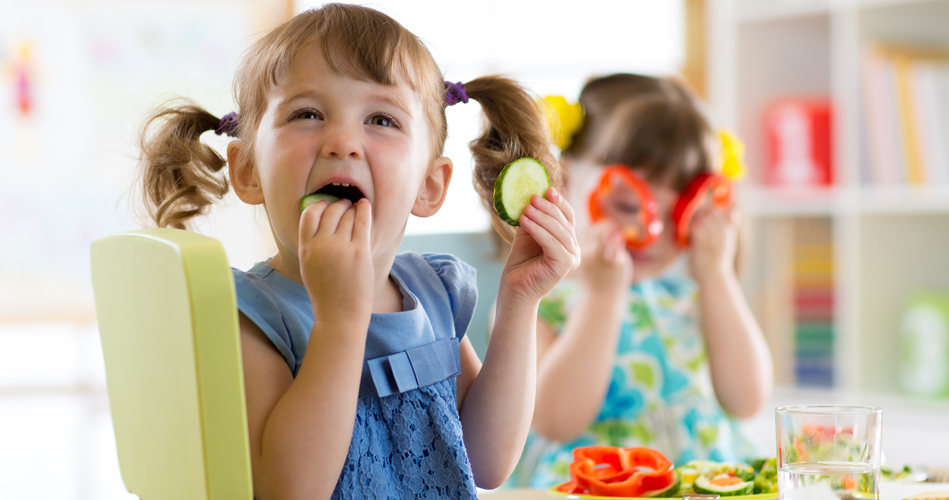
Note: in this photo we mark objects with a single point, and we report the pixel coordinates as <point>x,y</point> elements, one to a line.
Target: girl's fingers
<point>553,219</point>
<point>310,219</point>
<point>331,217</point>
<point>363,221</point>
<point>552,247</point>
<point>345,226</point>
<point>614,244</point>
<point>556,198</point>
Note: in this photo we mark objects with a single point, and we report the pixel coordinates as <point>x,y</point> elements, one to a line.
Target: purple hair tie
<point>455,93</point>
<point>228,125</point>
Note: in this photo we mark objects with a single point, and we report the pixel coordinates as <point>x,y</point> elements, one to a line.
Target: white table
<point>888,491</point>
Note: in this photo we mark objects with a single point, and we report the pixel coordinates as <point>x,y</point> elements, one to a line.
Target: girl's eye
<point>627,208</point>
<point>307,114</point>
<point>381,120</point>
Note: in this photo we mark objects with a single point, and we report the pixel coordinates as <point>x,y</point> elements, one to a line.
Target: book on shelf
<point>905,92</point>
<point>813,302</point>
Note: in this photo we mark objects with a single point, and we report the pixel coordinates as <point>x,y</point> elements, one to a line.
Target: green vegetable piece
<point>743,472</point>
<point>315,197</point>
<point>757,463</point>
<point>515,185</point>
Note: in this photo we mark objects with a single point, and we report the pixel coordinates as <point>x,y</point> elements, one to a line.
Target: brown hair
<point>655,125</point>
<point>181,175</point>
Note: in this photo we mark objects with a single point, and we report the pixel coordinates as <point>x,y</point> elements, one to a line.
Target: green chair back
<point>168,323</point>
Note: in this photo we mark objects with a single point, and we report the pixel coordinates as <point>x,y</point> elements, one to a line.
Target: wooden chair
<point>168,322</point>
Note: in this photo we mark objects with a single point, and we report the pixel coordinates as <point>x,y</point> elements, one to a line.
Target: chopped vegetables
<point>643,472</point>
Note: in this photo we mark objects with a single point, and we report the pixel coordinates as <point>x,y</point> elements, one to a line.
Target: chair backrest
<point>168,322</point>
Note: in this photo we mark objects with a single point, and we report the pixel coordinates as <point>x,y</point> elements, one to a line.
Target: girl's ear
<point>243,176</point>
<point>434,189</point>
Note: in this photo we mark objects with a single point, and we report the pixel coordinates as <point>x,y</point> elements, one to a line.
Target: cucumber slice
<point>703,484</point>
<point>516,183</point>
<point>315,197</point>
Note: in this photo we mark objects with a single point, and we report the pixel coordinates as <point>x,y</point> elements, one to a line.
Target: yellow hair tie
<point>563,119</point>
<point>733,155</point>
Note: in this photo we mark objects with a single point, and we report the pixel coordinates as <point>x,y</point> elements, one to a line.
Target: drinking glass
<point>828,452</point>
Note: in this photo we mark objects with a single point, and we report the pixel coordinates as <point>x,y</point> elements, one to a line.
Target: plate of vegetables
<point>603,472</point>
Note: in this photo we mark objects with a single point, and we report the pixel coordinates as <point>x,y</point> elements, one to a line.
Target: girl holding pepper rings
<point>651,341</point>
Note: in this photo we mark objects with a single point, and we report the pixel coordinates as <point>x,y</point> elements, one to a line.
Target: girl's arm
<point>740,361</point>
<point>305,424</point>
<point>575,368</point>
<point>496,409</point>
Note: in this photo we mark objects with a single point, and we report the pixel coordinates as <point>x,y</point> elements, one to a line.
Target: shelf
<point>758,11</point>
<point>794,202</point>
<point>787,202</point>
<point>893,3</point>
<point>904,200</point>
<point>887,241</point>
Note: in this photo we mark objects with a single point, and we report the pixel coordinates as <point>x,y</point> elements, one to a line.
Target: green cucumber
<point>703,484</point>
<point>315,197</point>
<point>516,184</point>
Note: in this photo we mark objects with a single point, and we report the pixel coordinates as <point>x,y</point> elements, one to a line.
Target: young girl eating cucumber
<point>651,341</point>
<point>359,379</point>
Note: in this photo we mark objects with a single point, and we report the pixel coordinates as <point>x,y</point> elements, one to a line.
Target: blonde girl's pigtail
<point>514,128</point>
<point>181,176</point>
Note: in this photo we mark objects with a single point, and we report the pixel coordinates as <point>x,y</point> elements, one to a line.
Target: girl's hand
<point>606,265</point>
<point>714,239</point>
<point>335,259</point>
<point>545,247</point>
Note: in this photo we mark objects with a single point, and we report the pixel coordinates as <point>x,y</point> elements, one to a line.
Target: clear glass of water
<point>828,452</point>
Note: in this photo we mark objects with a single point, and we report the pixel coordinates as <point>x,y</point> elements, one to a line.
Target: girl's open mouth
<point>342,190</point>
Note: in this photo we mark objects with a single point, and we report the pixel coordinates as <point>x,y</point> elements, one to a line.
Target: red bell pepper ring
<point>620,472</point>
<point>616,176</point>
<point>713,188</point>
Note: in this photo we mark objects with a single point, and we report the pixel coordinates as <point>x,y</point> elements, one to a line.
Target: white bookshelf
<point>888,241</point>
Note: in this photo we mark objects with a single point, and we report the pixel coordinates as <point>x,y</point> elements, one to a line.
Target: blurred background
<point>843,106</point>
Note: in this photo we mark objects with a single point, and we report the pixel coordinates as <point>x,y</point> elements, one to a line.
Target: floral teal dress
<point>660,394</point>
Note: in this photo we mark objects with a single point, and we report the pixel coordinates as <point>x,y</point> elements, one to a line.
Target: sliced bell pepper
<point>640,235</point>
<point>625,472</point>
<point>711,188</point>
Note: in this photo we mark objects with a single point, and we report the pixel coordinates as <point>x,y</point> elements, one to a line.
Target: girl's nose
<point>341,142</point>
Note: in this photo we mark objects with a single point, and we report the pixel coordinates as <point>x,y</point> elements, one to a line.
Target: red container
<point>799,142</point>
